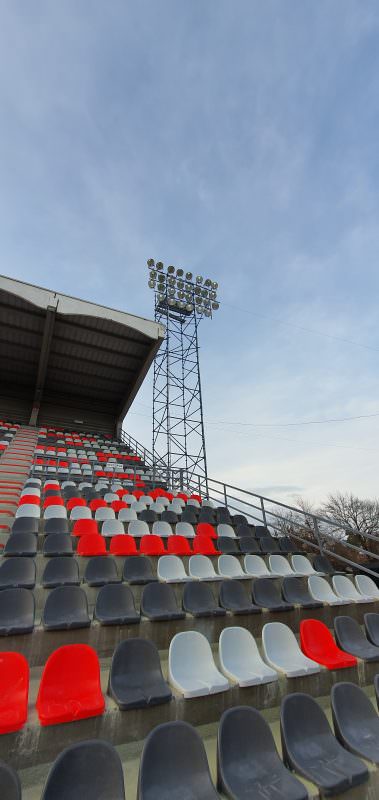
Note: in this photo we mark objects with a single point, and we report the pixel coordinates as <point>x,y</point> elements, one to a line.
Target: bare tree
<point>357,517</point>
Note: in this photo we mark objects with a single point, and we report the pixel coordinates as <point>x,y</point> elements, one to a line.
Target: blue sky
<point>237,139</point>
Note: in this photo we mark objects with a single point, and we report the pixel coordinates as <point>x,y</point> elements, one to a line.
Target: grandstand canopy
<point>68,362</point>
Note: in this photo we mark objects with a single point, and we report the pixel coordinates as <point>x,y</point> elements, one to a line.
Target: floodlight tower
<point>181,301</point>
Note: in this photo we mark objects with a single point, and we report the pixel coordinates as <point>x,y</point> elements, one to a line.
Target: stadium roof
<point>69,362</point>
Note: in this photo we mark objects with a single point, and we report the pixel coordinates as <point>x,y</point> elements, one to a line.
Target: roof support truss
<point>43,362</point>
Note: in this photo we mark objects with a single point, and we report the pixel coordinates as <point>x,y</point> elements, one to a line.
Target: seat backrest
<point>17,607</point>
<point>303,720</point>
<point>233,594</point>
<point>366,586</point>
<point>9,782</point>
<point>91,545</point>
<point>245,745</point>
<point>185,529</point>
<point>200,567</point>
<point>115,597</point>
<point>135,661</point>
<point>158,597</point>
<point>225,530</point>
<point>316,639</point>
<point>17,570</point>
<point>237,645</point>
<point>179,546</point>
<point>100,567</point>
<point>349,634</point>
<point>302,564</point>
<point>280,565</point>
<point>343,586</point>
<point>170,568</point>
<point>190,650</point>
<point>123,545</point>
<point>225,544</point>
<point>57,512</point>
<point>80,512</point>
<point>230,566</point>
<point>61,569</point>
<point>198,595</point>
<point>320,588</point>
<point>206,530</point>
<point>279,642</point>
<point>152,545</point>
<point>127,515</point>
<point>65,601</point>
<point>14,682</point>
<point>162,529</point>
<point>138,528</point>
<point>255,565</point>
<point>86,769</point>
<point>102,514</point>
<point>138,569</point>
<point>352,711</point>
<point>70,671</point>
<point>21,544</point>
<point>112,527</point>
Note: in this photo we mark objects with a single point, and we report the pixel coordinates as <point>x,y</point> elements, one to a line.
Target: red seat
<point>70,686</point>
<point>14,682</point>
<point>318,643</point>
<point>123,545</point>
<point>91,545</point>
<point>195,497</point>
<point>178,546</point>
<point>49,486</point>
<point>54,500</point>
<point>75,501</point>
<point>95,504</point>
<point>85,527</point>
<point>206,529</point>
<point>137,494</point>
<point>151,545</point>
<point>29,499</point>
<point>204,546</point>
<point>117,505</point>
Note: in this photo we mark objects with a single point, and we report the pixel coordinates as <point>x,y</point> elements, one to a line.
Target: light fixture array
<point>182,291</point>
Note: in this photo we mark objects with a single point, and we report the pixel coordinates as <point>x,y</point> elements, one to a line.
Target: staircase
<point>14,470</point>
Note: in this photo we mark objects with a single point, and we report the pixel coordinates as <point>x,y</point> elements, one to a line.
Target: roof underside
<point>65,361</point>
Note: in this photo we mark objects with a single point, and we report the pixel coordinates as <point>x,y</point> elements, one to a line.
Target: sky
<point>237,139</point>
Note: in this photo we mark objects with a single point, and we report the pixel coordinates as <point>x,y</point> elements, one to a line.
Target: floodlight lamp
<point>171,292</point>
<point>189,276</point>
<point>204,293</point>
<point>181,295</point>
<point>161,298</point>
<point>179,273</point>
<point>198,300</point>
<point>171,282</point>
<point>150,262</point>
<point>161,277</point>
<point>215,306</point>
<point>214,285</point>
<point>153,274</point>
<point>199,279</point>
<point>207,282</point>
<point>189,297</point>
<point>213,295</point>
<point>171,301</point>
<point>159,265</point>
<point>207,303</point>
<point>152,284</point>
<point>189,307</point>
<point>197,290</point>
<point>181,304</point>
<point>180,284</point>
<point>170,270</point>
<point>207,312</point>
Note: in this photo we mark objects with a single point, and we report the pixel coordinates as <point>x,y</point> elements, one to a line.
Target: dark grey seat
<point>17,572</point>
<point>138,569</point>
<point>60,571</point>
<point>322,564</point>
<point>287,546</point>
<point>244,530</point>
<point>52,493</point>
<point>296,592</point>
<point>206,515</point>
<point>266,594</point>
<point>372,627</point>
<point>234,597</point>
<point>261,531</point>
<point>115,605</point>
<point>25,525</point>
<point>170,516</point>
<point>158,602</point>
<point>148,516</point>
<point>310,748</point>
<point>269,545</point>
<point>101,570</point>
<point>189,515</point>
<point>227,545</point>
<point>57,544</point>
<point>135,677</point>
<point>17,611</point>
<point>88,769</point>
<point>240,519</point>
<point>199,601</point>
<point>223,516</point>
<point>9,782</point>
<point>356,723</point>
<point>56,525</point>
<point>174,764</point>
<point>66,608</point>
<point>248,764</point>
<point>21,544</point>
<point>248,544</point>
<point>351,638</point>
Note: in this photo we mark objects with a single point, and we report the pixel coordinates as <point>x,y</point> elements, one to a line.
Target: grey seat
<point>21,544</point>
<point>247,544</point>
<point>135,677</point>
<point>18,572</point>
<point>60,571</point>
<point>227,545</point>
<point>57,544</point>
<point>138,570</point>
<point>25,525</point>
<point>372,627</point>
<point>88,769</point>
<point>266,594</point>
<point>199,601</point>
<point>17,611</point>
<point>322,564</point>
<point>148,516</point>
<point>350,638</point>
<point>189,515</point>
<point>287,546</point>
<point>178,747</point>
<point>310,748</point>
<point>56,525</point>
<point>223,515</point>
<point>115,605</point>
<point>296,592</point>
<point>100,570</point>
<point>356,723</point>
<point>158,602</point>
<point>239,519</point>
<point>248,763</point>
<point>243,530</point>
<point>234,597</point>
<point>66,608</point>
<point>169,516</point>
<point>269,545</point>
<point>9,782</point>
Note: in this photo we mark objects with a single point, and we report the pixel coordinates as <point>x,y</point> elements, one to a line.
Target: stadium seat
<point>356,723</point>
<point>138,528</point>
<point>9,782</point>
<point>366,586</point>
<point>345,589</point>
<point>240,659</point>
<point>21,544</point>
<point>245,531</point>
<point>170,517</point>
<point>199,601</point>
<point>178,546</point>
<point>227,546</point>
<point>135,677</point>
<point>148,516</point>
<point>127,515</point>
<point>32,499</point>
<point>56,526</point>
<point>372,627</point>
<point>283,653</point>
<point>267,594</point>
<point>352,639</point>
<point>25,525</point>
<point>301,565</point>
<point>204,546</point>
<point>101,514</point>
<point>97,503</point>
<point>322,565</point>
<point>320,589</point>
<point>248,763</point>
<point>185,529</point>
<point>55,511</point>
<point>115,605</point>
<point>223,516</point>
<point>318,644</point>
<point>66,607</point>
<point>60,571</point>
<point>186,772</point>
<point>75,502</point>
<point>224,530</point>
<point>170,569</point>
<point>17,572</point>
<point>310,748</point>
<point>29,511</point>
<point>262,531</point>
<point>207,516</point>
<point>234,597</point>
<point>151,546</point>
<point>57,544</point>
<point>80,512</point>
<point>91,545</point>
<point>123,545</point>
<point>200,568</point>
<point>162,529</point>
<point>240,519</point>
<point>230,567</point>
<point>138,570</point>
<point>191,667</point>
<point>286,545</point>
<point>16,612</point>
<point>70,686</point>
<point>206,529</point>
<point>269,545</point>
<point>87,769</point>
<point>100,570</point>
<point>295,591</point>
<point>14,682</point>
<point>158,602</point>
<point>279,565</point>
<point>188,515</point>
<point>85,527</point>
<point>249,545</point>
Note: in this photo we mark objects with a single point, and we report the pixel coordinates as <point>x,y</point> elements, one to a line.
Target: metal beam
<point>43,361</point>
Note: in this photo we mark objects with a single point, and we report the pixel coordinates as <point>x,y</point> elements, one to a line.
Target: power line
<point>279,424</point>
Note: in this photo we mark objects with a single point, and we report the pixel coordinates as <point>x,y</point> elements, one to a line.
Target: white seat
<point>201,568</point>
<point>170,569</point>
<point>344,588</point>
<point>157,507</point>
<point>191,667</point>
<point>138,527</point>
<point>84,485</point>
<point>28,510</point>
<point>137,506</point>
<point>109,497</point>
<point>240,658</point>
<point>164,501</point>
<point>80,512</point>
<point>366,586</point>
<point>178,501</point>
<point>282,651</point>
<point>185,529</point>
<point>321,590</point>
<point>230,567</point>
<point>57,512</point>
<point>33,481</point>
<point>193,502</point>
<point>102,514</point>
<point>145,498</point>
<point>302,566</point>
<point>53,483</point>
<point>128,498</point>
<point>280,566</point>
<point>208,504</point>
<point>112,527</point>
<point>257,567</point>
<point>162,529</point>
<point>32,490</point>
<point>225,530</point>
<point>176,507</point>
<point>127,514</point>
